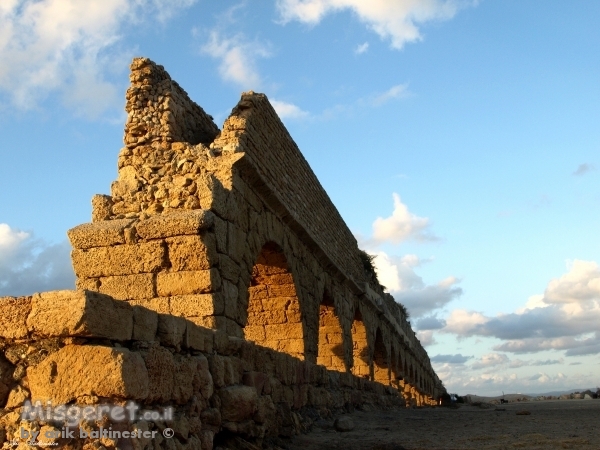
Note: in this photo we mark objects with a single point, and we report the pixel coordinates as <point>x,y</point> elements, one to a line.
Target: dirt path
<point>567,424</point>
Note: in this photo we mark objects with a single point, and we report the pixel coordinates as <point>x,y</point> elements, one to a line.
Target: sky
<point>459,140</point>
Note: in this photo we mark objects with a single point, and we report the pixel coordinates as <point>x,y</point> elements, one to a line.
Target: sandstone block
<point>236,242</point>
<point>99,234</point>
<point>101,207</point>
<point>127,287</point>
<point>183,380</point>
<point>75,371</point>
<point>284,331</point>
<point>230,270</point>
<point>145,324</point>
<point>188,282</point>
<point>160,366</point>
<point>203,381</point>
<point>238,403</point>
<point>13,317</point>
<point>119,260</point>
<point>221,234</point>
<point>256,380</point>
<point>175,224</point>
<point>197,305</point>
<point>160,305</point>
<point>192,252</point>
<point>80,313</point>
<point>171,330</point>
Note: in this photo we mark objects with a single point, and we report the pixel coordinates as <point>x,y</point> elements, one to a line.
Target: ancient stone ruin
<point>217,279</point>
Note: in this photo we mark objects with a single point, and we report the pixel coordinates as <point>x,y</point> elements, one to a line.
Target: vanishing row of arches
<point>275,321</point>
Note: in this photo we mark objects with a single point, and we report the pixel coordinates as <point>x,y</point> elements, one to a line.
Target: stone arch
<point>274,317</point>
<point>381,370</point>
<point>394,372</point>
<point>331,336</point>
<point>360,347</point>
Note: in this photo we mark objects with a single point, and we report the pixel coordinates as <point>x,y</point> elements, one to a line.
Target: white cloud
<point>490,360</point>
<point>361,48</point>
<point>401,226</point>
<point>565,317</point>
<point>396,20</point>
<point>398,91</point>
<point>401,280</point>
<point>63,46</point>
<point>28,265</point>
<point>288,110</point>
<point>426,337</point>
<point>238,58</point>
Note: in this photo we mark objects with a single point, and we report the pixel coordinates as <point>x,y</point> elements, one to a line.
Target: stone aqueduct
<point>230,230</point>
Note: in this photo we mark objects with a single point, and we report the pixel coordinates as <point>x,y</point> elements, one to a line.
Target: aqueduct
<point>229,230</point>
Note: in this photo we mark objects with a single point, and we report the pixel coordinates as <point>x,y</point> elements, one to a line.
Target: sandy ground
<point>566,424</point>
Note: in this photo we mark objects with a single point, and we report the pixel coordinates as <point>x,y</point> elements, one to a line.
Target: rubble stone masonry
<point>218,278</point>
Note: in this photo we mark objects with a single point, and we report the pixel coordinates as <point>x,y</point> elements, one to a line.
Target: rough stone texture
<point>75,371</point>
<point>175,224</point>
<point>79,313</point>
<point>13,317</point>
<point>99,234</point>
<point>224,282</point>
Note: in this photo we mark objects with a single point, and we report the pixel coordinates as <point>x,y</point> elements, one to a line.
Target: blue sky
<point>458,139</point>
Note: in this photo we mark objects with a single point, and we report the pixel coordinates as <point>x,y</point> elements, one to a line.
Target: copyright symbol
<point>168,433</point>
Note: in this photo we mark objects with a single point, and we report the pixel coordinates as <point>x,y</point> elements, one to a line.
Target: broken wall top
<point>175,158</point>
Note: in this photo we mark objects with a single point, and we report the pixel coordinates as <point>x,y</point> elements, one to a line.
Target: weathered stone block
<point>125,259</point>
<point>171,330</point>
<point>192,252</point>
<point>256,380</point>
<point>175,224</point>
<point>229,269</point>
<point>161,371</point>
<point>145,324</point>
<point>99,234</point>
<point>80,313</point>
<point>160,305</point>
<point>101,207</point>
<point>197,305</point>
<point>221,234</point>
<point>126,287</point>
<point>75,371</point>
<point>238,403</point>
<point>13,317</point>
<point>188,282</point>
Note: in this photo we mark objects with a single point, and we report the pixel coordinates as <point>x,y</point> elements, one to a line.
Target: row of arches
<point>275,320</point>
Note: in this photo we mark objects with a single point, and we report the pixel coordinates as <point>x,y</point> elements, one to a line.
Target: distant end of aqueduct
<point>217,277</point>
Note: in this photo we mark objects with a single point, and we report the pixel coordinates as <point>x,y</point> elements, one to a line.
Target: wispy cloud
<point>394,20</point>
<point>69,47</point>
<point>238,58</point>
<point>395,92</point>
<point>451,359</point>
<point>583,169</point>
<point>28,265</point>
<point>361,48</point>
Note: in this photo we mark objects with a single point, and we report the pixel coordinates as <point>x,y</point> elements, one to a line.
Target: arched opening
<point>274,318</point>
<point>331,336</point>
<point>360,347</point>
<point>381,371</point>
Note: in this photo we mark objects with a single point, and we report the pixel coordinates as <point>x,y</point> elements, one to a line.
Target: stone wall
<point>219,248</point>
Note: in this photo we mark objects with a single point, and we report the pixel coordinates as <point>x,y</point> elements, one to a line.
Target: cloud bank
<point>565,317</point>
<point>28,265</point>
